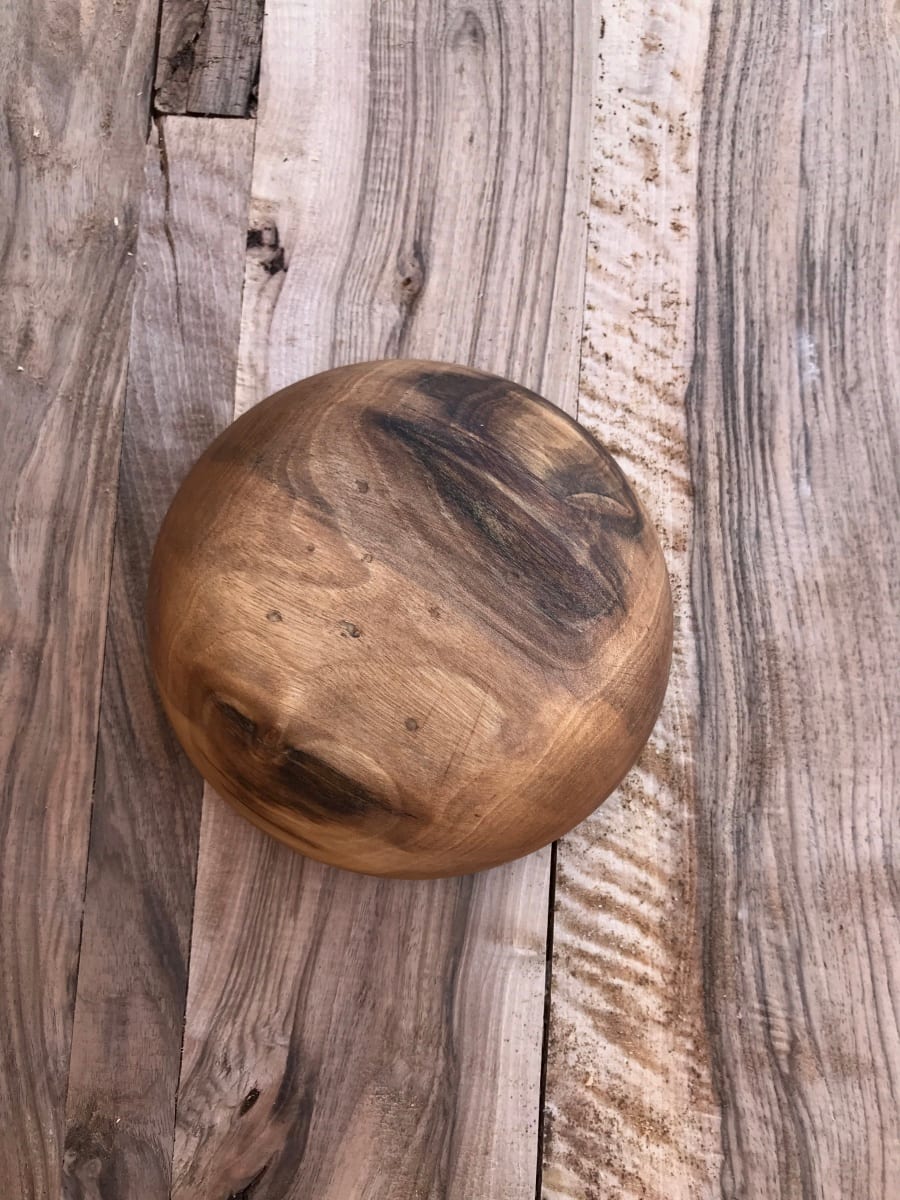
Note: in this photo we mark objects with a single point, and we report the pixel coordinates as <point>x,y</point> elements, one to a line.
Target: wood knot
<point>469,33</point>
<point>266,241</point>
<point>411,272</point>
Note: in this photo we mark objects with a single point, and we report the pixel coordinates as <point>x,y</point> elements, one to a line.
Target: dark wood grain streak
<point>793,429</point>
<point>208,61</point>
<point>414,164</point>
<point>132,979</point>
<point>72,131</point>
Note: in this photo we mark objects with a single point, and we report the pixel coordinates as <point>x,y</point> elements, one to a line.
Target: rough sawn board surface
<point>629,1108</point>
<point>726,954</point>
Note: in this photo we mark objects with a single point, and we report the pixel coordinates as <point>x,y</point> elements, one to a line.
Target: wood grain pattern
<point>132,978</point>
<point>630,1108</point>
<point>793,430</point>
<point>346,1036</point>
<point>208,59</point>
<point>72,142</point>
<point>442,619</point>
<point>759,871</point>
<point>724,1019</point>
<point>430,163</point>
<point>339,1026</point>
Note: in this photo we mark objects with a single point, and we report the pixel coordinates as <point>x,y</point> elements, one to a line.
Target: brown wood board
<point>726,944</point>
<point>425,183</point>
<point>208,57</point>
<point>630,1109</point>
<point>792,426</point>
<point>132,979</point>
<point>72,145</point>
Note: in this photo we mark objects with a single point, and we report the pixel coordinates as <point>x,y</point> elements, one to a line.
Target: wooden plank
<point>793,434</point>
<point>72,142</point>
<point>132,980</point>
<point>630,1106</point>
<point>456,135</point>
<point>347,1036</point>
<point>208,60</point>
<point>742,1039</point>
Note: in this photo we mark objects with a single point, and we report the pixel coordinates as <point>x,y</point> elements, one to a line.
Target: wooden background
<point>679,220</point>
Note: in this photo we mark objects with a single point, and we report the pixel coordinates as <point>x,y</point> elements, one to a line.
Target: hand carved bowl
<point>409,619</point>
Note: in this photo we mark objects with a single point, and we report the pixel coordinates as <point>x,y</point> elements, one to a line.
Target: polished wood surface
<point>410,618</point>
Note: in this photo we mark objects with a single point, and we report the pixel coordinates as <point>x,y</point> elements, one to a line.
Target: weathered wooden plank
<point>72,142</point>
<point>132,979</point>
<point>630,1108</point>
<point>793,432</point>
<point>347,1036</point>
<point>418,159</point>
<point>208,59</point>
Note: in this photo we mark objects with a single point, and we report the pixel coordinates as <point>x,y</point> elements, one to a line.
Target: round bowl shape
<point>410,619</point>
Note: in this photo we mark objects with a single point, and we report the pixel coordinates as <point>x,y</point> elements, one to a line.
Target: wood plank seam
<point>545,1039</point>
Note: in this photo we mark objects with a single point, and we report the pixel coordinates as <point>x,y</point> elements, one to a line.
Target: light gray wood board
<point>72,143</point>
<point>413,193</point>
<point>132,979</point>
<point>723,1017</point>
<point>208,58</point>
<point>630,1107</point>
<point>793,431</point>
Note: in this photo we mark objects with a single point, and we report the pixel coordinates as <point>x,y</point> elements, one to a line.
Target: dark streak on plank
<point>70,94</point>
<point>793,426</point>
<point>208,62</point>
<point>133,975</point>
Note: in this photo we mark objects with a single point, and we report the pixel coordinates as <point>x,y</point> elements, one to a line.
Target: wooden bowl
<point>409,619</point>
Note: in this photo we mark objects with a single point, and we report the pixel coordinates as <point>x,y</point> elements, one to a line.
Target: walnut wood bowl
<point>409,619</point>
